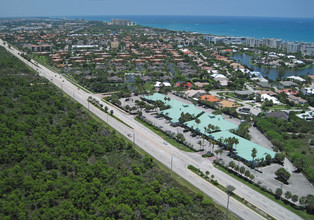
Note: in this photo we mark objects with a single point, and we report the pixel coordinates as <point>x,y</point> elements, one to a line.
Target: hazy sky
<point>264,8</point>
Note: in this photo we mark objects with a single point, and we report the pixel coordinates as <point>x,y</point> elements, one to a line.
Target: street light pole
<point>171,164</point>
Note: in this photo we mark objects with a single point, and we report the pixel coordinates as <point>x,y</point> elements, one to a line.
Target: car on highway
<point>129,135</point>
<point>165,143</point>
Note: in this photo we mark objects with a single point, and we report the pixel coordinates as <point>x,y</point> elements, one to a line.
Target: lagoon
<point>271,73</point>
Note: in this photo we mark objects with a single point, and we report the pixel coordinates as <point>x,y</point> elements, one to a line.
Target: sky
<point>260,8</point>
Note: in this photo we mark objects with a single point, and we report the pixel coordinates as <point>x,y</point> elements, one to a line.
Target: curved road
<point>154,145</point>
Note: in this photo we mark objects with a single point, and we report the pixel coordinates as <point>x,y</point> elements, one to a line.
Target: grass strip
<point>118,119</point>
<point>165,137</point>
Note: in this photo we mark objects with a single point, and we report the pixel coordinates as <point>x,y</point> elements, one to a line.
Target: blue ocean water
<point>287,29</point>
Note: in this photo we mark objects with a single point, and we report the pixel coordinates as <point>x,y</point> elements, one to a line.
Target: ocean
<point>287,29</point>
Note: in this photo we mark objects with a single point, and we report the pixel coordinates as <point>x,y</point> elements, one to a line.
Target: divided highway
<point>154,145</point>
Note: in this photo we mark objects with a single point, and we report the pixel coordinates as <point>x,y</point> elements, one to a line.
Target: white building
<point>308,90</point>
<point>160,84</point>
<point>306,115</point>
<point>297,78</point>
<point>270,98</point>
<point>272,42</point>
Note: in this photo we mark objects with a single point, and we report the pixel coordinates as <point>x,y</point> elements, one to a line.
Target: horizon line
<point>244,16</point>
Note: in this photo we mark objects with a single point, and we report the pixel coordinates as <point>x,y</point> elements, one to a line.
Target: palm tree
<point>230,190</point>
<point>197,121</point>
<point>210,128</point>
<point>203,144</point>
<point>220,140</point>
<point>220,152</point>
<point>254,152</point>
<point>216,152</point>
<point>200,143</point>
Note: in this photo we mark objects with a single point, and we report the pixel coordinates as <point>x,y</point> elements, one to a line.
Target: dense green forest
<point>56,162</point>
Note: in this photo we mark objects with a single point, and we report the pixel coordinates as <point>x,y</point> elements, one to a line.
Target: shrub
<point>288,195</point>
<point>242,170</point>
<point>208,155</point>
<point>295,198</point>
<point>278,192</point>
<point>247,173</point>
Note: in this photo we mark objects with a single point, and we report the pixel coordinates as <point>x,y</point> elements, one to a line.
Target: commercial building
<point>220,127</point>
<point>291,47</point>
<point>272,42</point>
<point>122,22</point>
<point>40,48</point>
<point>227,40</point>
<point>244,148</point>
<point>253,42</point>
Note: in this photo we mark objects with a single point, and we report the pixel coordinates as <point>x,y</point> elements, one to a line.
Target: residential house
<point>288,91</point>
<point>186,85</point>
<point>284,84</point>
<point>244,94</point>
<point>201,84</point>
<point>194,93</point>
<point>308,90</point>
<point>209,98</point>
<point>306,115</point>
<point>296,100</point>
<point>227,104</point>
<point>270,98</point>
<point>279,115</point>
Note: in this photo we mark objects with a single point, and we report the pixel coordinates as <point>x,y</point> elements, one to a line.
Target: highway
<point>154,145</point>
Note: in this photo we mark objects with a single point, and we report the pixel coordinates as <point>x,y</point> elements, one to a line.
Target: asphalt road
<point>154,145</point>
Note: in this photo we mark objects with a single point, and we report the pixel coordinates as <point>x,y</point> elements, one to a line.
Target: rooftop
<point>245,147</point>
<point>209,98</point>
<point>215,120</point>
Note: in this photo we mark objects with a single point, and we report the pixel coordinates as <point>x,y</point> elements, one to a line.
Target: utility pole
<point>134,137</point>
<point>171,164</point>
<point>281,186</point>
<point>230,190</point>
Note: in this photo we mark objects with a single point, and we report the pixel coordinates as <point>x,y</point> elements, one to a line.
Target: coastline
<point>287,29</point>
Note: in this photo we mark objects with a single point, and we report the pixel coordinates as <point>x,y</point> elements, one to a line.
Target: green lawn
<point>281,107</point>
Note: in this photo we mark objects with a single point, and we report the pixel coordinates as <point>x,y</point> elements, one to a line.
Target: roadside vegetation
<point>57,162</point>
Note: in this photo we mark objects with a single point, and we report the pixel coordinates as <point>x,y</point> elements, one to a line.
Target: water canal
<point>271,73</point>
